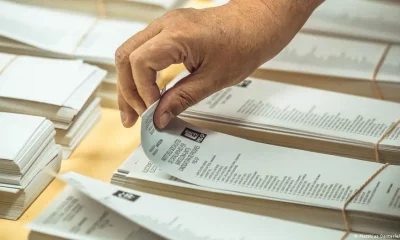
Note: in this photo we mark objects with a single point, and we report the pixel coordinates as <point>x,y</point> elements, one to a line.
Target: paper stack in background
<point>27,146</point>
<point>369,20</point>
<point>120,213</point>
<point>282,182</point>
<point>63,91</point>
<point>26,29</point>
<point>141,10</point>
<point>107,91</point>
<point>300,117</point>
<point>340,65</point>
<point>289,182</point>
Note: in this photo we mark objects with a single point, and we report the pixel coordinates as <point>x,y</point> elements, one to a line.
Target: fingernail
<point>164,119</point>
<point>123,117</point>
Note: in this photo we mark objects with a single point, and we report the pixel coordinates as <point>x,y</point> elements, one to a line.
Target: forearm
<point>287,16</point>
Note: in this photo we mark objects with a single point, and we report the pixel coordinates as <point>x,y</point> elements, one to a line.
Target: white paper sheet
<point>15,132</point>
<point>43,28</point>
<point>172,219</point>
<point>220,161</point>
<point>307,111</point>
<point>390,69</point>
<point>330,56</point>
<point>364,19</point>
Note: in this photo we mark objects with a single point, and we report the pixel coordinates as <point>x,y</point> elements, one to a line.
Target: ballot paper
<point>215,160</point>
<point>68,34</point>
<point>358,19</point>
<point>301,117</point>
<point>349,66</point>
<point>90,209</point>
<point>63,91</point>
<point>27,146</point>
<point>332,56</point>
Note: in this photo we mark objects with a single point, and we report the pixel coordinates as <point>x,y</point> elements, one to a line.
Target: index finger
<point>155,55</point>
<point>124,71</point>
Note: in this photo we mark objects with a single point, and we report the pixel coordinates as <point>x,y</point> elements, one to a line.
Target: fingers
<point>187,92</point>
<point>128,114</point>
<point>128,91</point>
<point>155,55</point>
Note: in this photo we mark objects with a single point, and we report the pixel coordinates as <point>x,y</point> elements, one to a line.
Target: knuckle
<point>127,93</point>
<point>175,34</point>
<point>186,98</point>
<point>136,59</point>
<point>121,56</point>
<point>173,13</point>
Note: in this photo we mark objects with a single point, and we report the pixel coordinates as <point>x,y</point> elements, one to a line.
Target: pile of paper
<point>63,91</point>
<point>341,65</point>
<point>27,147</point>
<point>300,117</point>
<point>291,184</point>
<point>26,29</point>
<point>369,20</point>
<point>142,10</point>
<point>139,173</point>
<point>111,212</point>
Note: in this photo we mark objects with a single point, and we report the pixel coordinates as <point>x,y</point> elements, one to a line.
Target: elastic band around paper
<point>346,221</point>
<point>374,85</point>
<point>85,35</point>
<point>8,64</point>
<point>376,148</point>
<point>101,7</point>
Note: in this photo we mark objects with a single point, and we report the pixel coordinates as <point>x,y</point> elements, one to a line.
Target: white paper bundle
<point>341,65</point>
<point>27,147</point>
<point>68,34</point>
<point>300,117</point>
<point>369,20</point>
<point>61,90</point>
<point>322,189</point>
<point>122,213</point>
<point>283,192</point>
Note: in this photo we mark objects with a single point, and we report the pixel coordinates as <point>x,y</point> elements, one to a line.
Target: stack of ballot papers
<point>230,172</point>
<point>27,147</point>
<point>26,29</point>
<point>142,10</point>
<point>341,65</point>
<point>63,91</point>
<point>361,19</point>
<point>107,91</point>
<point>300,117</point>
<point>91,209</point>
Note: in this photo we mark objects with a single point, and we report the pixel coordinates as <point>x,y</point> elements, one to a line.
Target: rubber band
<point>101,8</point>
<point>8,64</point>
<point>377,159</point>
<point>346,221</point>
<point>376,147</point>
<point>80,41</point>
<point>374,85</point>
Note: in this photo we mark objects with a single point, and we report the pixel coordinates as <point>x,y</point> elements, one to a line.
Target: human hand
<point>220,47</point>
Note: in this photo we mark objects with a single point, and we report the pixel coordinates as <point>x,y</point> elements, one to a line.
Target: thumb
<point>187,92</point>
